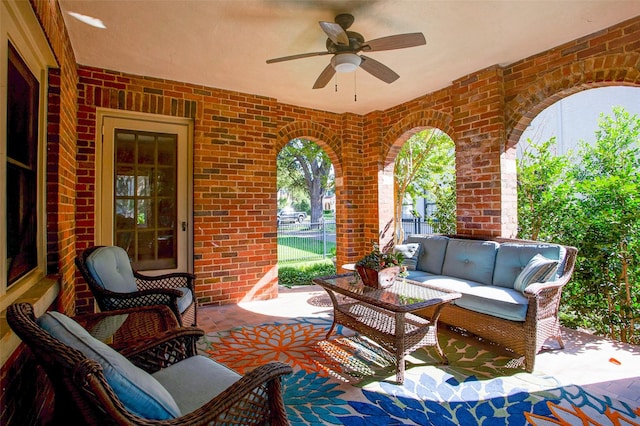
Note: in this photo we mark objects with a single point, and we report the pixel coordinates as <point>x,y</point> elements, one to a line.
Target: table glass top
<point>403,295</point>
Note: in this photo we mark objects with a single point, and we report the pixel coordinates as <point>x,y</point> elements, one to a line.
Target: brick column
<point>480,133</point>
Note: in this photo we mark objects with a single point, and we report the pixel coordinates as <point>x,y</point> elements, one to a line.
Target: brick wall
<point>61,153</point>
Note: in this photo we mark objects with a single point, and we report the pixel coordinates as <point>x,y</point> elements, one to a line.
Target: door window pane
<point>145,198</point>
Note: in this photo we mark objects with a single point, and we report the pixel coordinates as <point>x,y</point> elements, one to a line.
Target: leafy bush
<point>591,202</point>
<point>304,273</point>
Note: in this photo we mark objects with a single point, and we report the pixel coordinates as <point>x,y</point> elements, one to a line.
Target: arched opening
<point>578,167</point>
<point>425,185</point>
<point>418,185</point>
<point>306,216</point>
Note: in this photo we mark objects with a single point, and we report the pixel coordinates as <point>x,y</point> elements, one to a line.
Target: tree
<point>305,169</point>
<point>604,202</point>
<point>540,173</point>
<point>424,168</point>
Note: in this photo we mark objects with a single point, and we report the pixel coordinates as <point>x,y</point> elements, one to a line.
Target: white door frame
<point>104,196</point>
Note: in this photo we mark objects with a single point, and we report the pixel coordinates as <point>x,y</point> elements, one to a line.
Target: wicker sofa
<point>506,298</point>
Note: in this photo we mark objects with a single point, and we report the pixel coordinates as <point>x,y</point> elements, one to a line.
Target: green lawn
<point>291,248</point>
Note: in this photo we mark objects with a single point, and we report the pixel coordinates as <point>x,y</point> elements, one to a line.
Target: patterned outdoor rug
<point>349,380</point>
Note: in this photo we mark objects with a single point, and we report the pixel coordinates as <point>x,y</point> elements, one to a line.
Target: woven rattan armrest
<point>172,280</point>
<point>536,289</point>
<point>258,387</point>
<point>168,348</point>
<point>110,300</point>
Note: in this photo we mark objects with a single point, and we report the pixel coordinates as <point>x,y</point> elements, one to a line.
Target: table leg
<point>334,302</point>
<point>434,324</point>
<point>400,349</point>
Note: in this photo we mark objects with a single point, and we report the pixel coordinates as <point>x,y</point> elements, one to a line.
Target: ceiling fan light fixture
<point>345,62</point>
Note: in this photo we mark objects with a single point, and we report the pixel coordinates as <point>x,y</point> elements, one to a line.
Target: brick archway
<point>556,84</point>
<point>318,133</point>
<point>398,134</point>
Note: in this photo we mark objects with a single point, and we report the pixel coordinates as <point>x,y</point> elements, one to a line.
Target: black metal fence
<point>416,226</point>
<point>306,241</point>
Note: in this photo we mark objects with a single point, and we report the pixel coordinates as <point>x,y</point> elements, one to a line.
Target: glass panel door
<point>145,185</point>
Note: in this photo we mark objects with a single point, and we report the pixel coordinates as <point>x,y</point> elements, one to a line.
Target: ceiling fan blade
<point>378,69</point>
<point>298,56</point>
<point>325,76</point>
<point>335,33</point>
<point>398,41</point>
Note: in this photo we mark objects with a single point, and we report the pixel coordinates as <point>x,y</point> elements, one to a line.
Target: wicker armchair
<point>84,394</point>
<point>115,285</point>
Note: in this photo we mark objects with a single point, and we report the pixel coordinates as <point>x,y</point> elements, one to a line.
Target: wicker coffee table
<point>385,315</point>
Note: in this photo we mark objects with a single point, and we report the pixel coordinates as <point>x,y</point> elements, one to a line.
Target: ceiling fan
<point>345,45</point>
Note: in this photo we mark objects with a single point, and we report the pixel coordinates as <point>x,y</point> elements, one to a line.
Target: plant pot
<point>378,279</point>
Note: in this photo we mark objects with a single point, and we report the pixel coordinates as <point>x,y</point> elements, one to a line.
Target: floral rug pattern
<point>348,380</point>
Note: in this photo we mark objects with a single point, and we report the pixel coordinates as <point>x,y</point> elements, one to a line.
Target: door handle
<point>184,226</point>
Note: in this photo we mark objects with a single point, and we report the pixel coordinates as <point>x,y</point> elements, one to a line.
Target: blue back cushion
<point>138,391</point>
<point>432,251</point>
<point>470,260</point>
<point>111,268</point>
<point>513,257</point>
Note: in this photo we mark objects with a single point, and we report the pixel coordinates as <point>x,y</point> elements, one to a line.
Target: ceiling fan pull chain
<point>336,82</point>
<point>355,87</point>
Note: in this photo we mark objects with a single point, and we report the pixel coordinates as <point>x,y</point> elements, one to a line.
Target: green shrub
<point>304,273</point>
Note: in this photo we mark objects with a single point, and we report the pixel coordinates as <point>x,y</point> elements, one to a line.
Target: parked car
<point>290,216</point>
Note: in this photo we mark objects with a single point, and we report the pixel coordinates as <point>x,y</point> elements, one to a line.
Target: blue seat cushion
<point>185,300</point>
<point>512,258</point>
<point>470,260</point>
<point>111,268</point>
<point>454,284</point>
<point>487,299</point>
<point>138,391</point>
<point>432,251</point>
<point>497,301</point>
<point>195,380</point>
<point>411,254</point>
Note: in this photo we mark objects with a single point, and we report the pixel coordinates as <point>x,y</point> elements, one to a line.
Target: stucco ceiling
<point>225,43</point>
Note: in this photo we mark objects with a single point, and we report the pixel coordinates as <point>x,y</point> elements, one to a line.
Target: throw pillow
<point>411,253</point>
<point>538,270</point>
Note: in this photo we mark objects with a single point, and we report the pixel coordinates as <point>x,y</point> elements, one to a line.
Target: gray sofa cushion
<point>513,257</point>
<point>497,301</point>
<point>455,284</point>
<point>432,251</point>
<point>470,260</point>
<point>196,380</point>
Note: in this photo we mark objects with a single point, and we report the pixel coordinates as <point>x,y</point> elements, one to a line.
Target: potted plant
<point>378,268</point>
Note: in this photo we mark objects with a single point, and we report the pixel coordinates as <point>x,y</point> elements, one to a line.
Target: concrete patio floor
<point>597,364</point>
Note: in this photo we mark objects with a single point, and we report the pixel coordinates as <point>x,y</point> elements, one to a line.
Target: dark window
<point>22,151</point>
